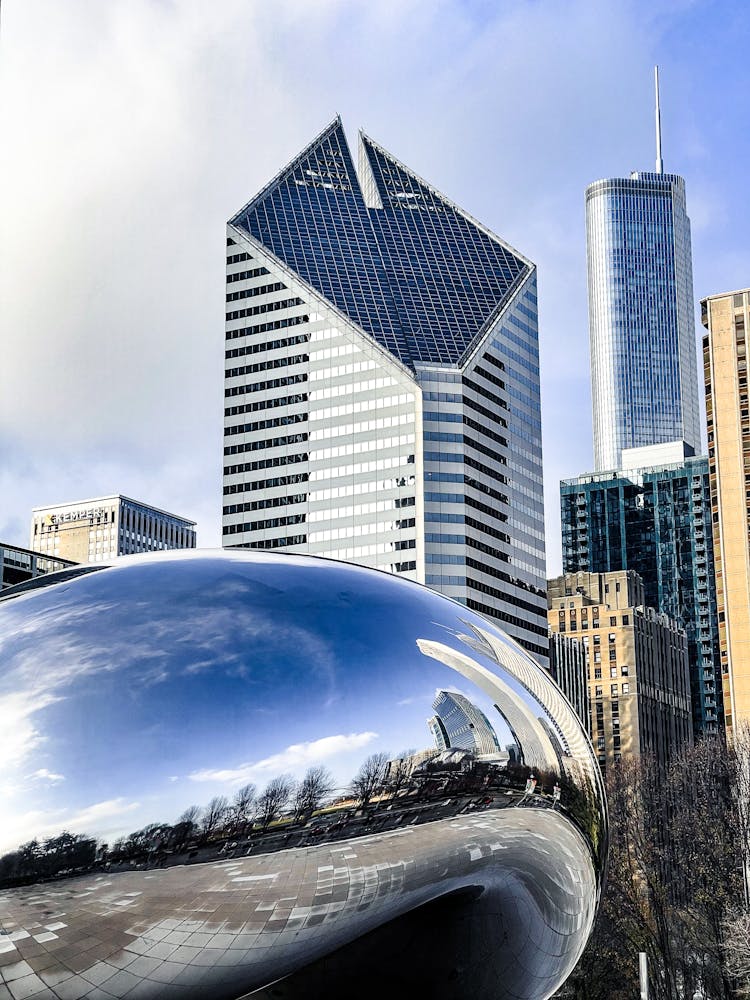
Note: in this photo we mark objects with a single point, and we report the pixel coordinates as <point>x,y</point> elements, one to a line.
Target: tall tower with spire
<point>382,384</point>
<point>652,511</point>
<point>644,367</point>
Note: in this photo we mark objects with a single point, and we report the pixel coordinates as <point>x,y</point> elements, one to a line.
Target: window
<point>597,657</point>
<point>613,671</point>
<point>624,671</point>
<point>626,688</point>
<point>613,690</point>
<point>612,636</point>
<point>597,673</point>
<point>598,691</point>
<point>613,654</point>
<point>613,621</point>
<point>626,619</point>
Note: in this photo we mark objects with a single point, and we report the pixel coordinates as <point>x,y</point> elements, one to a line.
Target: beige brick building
<point>728,418</point>
<point>639,687</point>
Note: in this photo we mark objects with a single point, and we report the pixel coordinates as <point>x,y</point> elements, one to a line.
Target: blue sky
<point>133,129</point>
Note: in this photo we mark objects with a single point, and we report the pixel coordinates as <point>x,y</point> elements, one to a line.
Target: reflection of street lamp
<point>698,995</point>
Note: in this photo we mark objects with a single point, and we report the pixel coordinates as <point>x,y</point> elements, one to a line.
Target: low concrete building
<point>96,530</point>
<point>18,565</point>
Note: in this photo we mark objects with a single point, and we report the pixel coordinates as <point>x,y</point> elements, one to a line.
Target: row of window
<point>265,463</point>
<point>489,376</point>
<point>278,442</point>
<point>263,366</point>
<point>275,543</point>
<point>271,522</point>
<point>251,293</point>
<point>254,272</point>
<point>266,484</point>
<point>260,425</point>
<point>265,404</point>
<point>275,324</point>
<point>271,383</point>
<point>270,345</point>
<point>265,504</point>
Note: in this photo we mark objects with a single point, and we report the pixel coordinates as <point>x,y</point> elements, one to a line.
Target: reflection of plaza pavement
<point>221,929</point>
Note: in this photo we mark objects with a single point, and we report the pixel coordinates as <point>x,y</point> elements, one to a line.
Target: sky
<point>132,130</point>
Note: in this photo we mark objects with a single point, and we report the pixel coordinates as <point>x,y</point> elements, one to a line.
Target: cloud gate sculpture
<point>233,773</point>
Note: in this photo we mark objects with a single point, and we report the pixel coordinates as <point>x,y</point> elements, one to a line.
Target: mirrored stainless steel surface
<point>237,772</point>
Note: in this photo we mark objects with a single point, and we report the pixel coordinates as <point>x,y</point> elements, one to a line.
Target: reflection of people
<point>555,796</point>
<point>529,789</point>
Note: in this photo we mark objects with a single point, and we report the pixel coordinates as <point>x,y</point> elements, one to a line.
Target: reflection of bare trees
<point>311,792</point>
<point>369,778</point>
<point>214,817</point>
<point>273,799</point>
<point>242,809</point>
<point>65,853</point>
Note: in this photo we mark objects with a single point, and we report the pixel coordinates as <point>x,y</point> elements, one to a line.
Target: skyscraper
<point>727,319</point>
<point>382,384</point>
<point>644,372</point>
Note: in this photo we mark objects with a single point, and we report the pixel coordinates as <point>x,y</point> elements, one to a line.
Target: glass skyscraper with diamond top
<point>382,384</point>
<point>644,372</point>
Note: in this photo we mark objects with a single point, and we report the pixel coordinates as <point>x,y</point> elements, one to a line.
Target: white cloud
<point>20,735</point>
<point>44,775</point>
<point>92,819</point>
<point>296,758</point>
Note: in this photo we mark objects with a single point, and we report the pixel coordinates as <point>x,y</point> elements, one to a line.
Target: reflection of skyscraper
<point>382,384</point>
<point>459,724</point>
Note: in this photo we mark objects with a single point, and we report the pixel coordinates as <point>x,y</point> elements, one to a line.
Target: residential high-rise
<point>644,372</point>
<point>727,319</point>
<point>639,688</point>
<point>656,521</point>
<point>382,384</point>
<point>97,530</point>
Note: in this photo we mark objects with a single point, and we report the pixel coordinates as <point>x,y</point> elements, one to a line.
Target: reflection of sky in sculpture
<point>228,671</point>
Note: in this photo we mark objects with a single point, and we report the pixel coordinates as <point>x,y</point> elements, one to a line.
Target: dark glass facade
<point>643,363</point>
<point>655,521</point>
<point>394,255</point>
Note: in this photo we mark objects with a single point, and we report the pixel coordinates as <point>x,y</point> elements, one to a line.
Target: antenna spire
<point>659,161</point>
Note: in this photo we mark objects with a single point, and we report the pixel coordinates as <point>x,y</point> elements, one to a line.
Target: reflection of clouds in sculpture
<point>137,691</point>
<point>294,758</point>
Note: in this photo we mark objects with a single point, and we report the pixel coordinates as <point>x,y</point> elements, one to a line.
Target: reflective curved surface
<point>237,772</point>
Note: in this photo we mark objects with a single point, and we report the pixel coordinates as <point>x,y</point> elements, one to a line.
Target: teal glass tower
<point>656,521</point>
